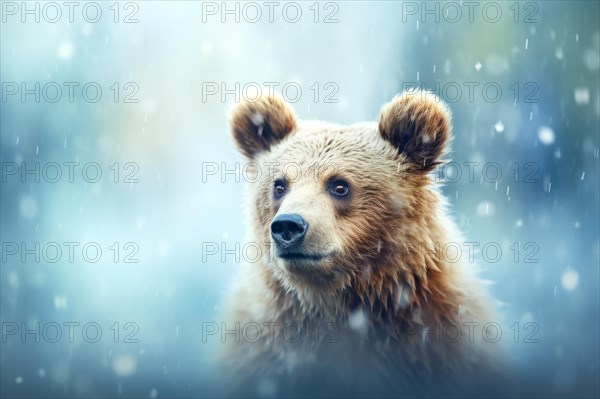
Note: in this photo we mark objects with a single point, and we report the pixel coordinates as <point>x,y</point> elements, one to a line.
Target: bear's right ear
<point>257,125</point>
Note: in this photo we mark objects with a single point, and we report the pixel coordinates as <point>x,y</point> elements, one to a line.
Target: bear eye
<point>279,188</point>
<point>339,188</point>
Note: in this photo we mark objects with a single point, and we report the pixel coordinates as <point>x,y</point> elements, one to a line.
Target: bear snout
<point>288,229</point>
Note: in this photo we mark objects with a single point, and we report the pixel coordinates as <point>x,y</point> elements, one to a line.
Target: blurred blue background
<point>542,131</point>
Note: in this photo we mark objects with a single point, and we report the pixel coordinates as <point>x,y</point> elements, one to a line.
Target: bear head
<point>330,203</point>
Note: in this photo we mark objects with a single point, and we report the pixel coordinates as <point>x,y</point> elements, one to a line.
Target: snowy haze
<point>541,133</point>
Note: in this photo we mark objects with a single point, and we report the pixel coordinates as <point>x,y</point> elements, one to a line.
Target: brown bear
<point>350,292</point>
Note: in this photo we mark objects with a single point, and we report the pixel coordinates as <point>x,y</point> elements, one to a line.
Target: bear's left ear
<point>257,125</point>
<point>418,124</point>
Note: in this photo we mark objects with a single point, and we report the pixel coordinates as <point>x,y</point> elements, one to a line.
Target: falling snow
<point>485,208</point>
<point>358,321</point>
<point>499,127</point>
<point>570,279</point>
<point>60,302</point>
<point>543,208</point>
<point>124,365</point>
<point>257,119</point>
<point>65,51</point>
<point>546,135</point>
<point>582,96</point>
<point>28,207</point>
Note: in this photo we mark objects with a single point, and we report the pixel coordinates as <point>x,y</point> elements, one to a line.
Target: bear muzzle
<point>288,230</point>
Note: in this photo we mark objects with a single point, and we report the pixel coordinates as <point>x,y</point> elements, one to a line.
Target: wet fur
<point>375,272</point>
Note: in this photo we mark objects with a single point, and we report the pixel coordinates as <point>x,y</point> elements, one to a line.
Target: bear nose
<point>288,229</point>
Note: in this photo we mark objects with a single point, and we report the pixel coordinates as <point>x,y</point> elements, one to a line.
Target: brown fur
<point>383,266</point>
<point>418,124</point>
<point>258,125</point>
